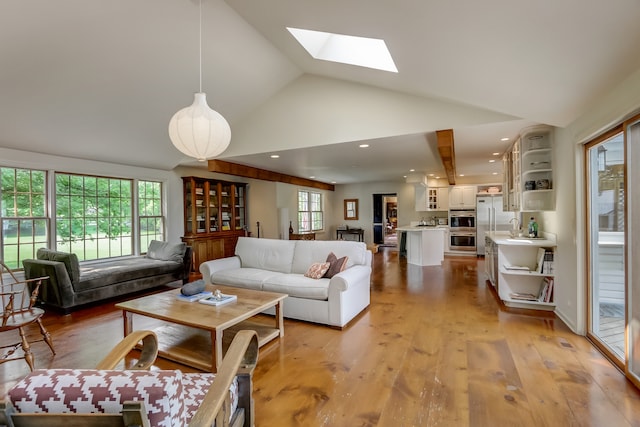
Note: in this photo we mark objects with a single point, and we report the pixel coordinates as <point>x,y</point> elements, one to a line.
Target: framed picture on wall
<point>350,209</point>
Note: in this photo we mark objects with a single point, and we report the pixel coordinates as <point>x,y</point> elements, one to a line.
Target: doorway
<point>606,250</point>
<point>385,219</point>
<point>613,203</point>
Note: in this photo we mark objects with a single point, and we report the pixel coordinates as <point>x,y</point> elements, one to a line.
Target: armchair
<point>18,311</point>
<point>138,397</point>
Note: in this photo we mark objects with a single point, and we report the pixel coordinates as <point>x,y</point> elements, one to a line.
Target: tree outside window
<point>310,214</point>
<point>93,216</point>
<point>23,214</point>
<point>151,220</point>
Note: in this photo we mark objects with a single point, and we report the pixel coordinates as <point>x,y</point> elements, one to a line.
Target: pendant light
<point>197,130</point>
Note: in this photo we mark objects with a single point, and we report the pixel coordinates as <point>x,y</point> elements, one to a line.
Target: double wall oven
<point>462,230</point>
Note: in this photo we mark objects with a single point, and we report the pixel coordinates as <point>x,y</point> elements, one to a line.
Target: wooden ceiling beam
<point>447,153</point>
<point>236,169</point>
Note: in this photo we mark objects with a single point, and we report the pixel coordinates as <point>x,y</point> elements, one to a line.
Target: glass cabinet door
<point>225,206</point>
<point>189,207</point>
<point>213,207</point>
<point>201,209</point>
<point>239,213</point>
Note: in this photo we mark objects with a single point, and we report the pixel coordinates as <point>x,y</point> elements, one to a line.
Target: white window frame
<point>310,211</point>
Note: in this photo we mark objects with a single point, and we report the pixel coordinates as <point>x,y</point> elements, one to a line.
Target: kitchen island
<point>425,244</point>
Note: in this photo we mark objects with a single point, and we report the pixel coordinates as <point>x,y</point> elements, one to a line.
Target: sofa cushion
<point>268,254</point>
<point>166,251</point>
<point>69,260</point>
<point>96,275</point>
<point>249,278</point>
<point>309,251</point>
<point>297,285</point>
<point>317,270</point>
<point>102,391</point>
<point>336,265</point>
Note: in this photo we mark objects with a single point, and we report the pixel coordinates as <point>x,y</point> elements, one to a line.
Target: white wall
<point>568,221</point>
<point>328,111</point>
<point>364,193</point>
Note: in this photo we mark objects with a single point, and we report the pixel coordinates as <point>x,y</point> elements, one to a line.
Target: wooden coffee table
<point>195,334</point>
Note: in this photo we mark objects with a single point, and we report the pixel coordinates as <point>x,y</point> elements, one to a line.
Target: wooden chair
<point>215,405</point>
<point>18,311</point>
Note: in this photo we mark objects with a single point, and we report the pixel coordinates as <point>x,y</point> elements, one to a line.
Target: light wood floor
<point>434,349</point>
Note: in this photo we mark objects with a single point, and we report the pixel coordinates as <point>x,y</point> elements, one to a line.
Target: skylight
<point>360,51</point>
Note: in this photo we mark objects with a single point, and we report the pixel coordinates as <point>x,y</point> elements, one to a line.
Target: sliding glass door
<point>633,253</point>
<point>606,251</point>
<point>613,251</point>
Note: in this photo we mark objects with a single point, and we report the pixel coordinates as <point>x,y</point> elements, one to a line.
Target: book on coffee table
<point>218,300</point>
<point>194,297</point>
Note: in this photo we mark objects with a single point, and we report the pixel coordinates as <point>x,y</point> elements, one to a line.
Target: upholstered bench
<point>71,284</point>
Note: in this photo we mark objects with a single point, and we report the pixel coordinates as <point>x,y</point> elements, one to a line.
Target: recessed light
<point>492,161</point>
<point>496,154</point>
<point>495,173</point>
<point>437,177</point>
<point>404,176</point>
<point>412,170</point>
<point>461,174</point>
<point>504,139</point>
<point>431,174</point>
<point>363,145</point>
<point>333,182</point>
<point>312,177</point>
<point>274,156</point>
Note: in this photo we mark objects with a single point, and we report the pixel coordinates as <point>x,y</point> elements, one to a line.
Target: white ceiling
<point>98,79</point>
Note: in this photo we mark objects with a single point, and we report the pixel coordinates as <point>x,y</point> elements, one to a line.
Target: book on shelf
<point>548,266</point>
<point>523,296</point>
<point>540,260</point>
<point>218,299</point>
<point>194,297</point>
<point>546,291</point>
<point>516,267</point>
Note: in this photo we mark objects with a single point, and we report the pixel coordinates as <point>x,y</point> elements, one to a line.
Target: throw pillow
<point>166,251</point>
<point>70,261</point>
<point>192,288</point>
<point>336,265</point>
<point>317,270</point>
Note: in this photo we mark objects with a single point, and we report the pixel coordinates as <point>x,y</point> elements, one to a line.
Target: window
<point>310,215</point>
<point>151,220</point>
<point>93,216</point>
<point>23,214</point>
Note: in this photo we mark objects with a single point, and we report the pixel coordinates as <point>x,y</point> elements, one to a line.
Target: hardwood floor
<point>434,348</point>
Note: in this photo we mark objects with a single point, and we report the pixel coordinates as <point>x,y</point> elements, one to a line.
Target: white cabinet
<point>421,198</point>
<point>507,173</point>
<point>528,171</point>
<point>462,197</point>
<point>511,182</point>
<point>432,198</point>
<point>536,170</point>
<point>437,198</point>
<point>520,282</point>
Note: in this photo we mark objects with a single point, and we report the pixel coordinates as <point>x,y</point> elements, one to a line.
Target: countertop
<point>422,228</point>
<point>503,238</point>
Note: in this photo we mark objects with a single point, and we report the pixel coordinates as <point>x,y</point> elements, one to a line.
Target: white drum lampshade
<point>198,131</point>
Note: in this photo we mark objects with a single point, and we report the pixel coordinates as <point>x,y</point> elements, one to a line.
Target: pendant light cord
<point>200,46</point>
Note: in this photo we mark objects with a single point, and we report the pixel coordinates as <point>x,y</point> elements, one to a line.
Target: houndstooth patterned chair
<point>140,397</point>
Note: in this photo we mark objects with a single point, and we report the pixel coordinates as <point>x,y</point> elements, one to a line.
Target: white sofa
<point>279,266</point>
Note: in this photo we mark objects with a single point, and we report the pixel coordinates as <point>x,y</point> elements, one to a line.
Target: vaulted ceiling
<point>97,79</point>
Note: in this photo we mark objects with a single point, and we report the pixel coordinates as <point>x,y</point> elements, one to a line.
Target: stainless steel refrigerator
<point>490,217</point>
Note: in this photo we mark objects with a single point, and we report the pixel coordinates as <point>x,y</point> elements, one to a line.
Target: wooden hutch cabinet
<point>214,217</point>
